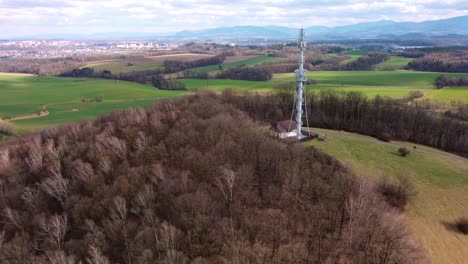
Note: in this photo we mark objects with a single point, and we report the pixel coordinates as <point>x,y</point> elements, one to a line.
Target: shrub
<point>462,225</point>
<point>415,95</point>
<point>7,129</point>
<point>385,137</point>
<point>404,151</point>
<point>396,194</point>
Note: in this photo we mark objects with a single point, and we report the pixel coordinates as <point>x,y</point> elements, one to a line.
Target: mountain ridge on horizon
<point>375,29</point>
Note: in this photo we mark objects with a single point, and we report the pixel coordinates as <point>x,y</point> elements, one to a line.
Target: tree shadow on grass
<point>452,226</point>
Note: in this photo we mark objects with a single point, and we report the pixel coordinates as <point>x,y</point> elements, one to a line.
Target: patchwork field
<point>248,62</point>
<point>25,95</point>
<point>62,97</point>
<point>180,56</point>
<point>123,66</point>
<point>440,179</point>
<point>394,63</point>
<point>371,83</point>
<point>141,63</point>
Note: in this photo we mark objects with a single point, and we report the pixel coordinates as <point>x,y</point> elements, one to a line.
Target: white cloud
<point>170,15</point>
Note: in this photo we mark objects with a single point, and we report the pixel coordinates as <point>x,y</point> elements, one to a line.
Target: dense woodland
<point>190,180</point>
<point>48,67</point>
<point>247,73</point>
<point>366,62</point>
<point>153,77</point>
<point>444,80</point>
<point>172,66</point>
<point>441,62</point>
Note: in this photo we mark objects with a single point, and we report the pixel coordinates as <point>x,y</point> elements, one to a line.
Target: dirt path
<point>41,114</point>
<point>397,145</point>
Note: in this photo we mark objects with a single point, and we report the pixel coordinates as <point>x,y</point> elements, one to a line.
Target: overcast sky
<point>34,17</point>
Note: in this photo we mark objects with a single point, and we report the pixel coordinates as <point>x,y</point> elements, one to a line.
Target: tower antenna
<point>301,79</point>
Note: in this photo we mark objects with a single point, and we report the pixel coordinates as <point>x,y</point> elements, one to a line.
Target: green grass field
<point>357,52</point>
<point>385,83</point>
<point>26,95</point>
<point>395,84</point>
<point>351,59</point>
<point>221,84</point>
<point>440,179</point>
<point>123,66</point>
<point>394,63</point>
<point>249,62</point>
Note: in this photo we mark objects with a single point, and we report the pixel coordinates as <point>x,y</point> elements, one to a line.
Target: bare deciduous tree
<point>55,228</point>
<point>82,171</point>
<point>34,159</point>
<point>59,257</point>
<point>119,220</point>
<point>141,142</point>
<point>105,166</point>
<point>96,256</point>
<point>168,242</point>
<point>225,184</point>
<point>2,237</point>
<point>30,196</point>
<point>57,187</point>
<point>4,159</point>
<point>117,146</point>
<point>11,217</point>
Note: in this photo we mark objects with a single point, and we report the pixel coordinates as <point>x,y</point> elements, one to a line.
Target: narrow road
<point>41,114</point>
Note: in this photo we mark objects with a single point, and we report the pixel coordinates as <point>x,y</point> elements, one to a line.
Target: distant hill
<point>457,26</point>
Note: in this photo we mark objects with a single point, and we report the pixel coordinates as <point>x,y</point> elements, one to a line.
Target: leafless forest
<point>190,180</point>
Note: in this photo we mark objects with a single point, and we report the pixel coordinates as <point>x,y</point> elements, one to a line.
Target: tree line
<point>441,62</point>
<point>188,180</point>
<point>381,117</point>
<point>366,62</point>
<point>262,72</point>
<point>172,66</point>
<point>443,80</point>
<point>152,77</point>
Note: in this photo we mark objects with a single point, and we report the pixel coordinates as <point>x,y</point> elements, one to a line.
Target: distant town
<point>63,48</point>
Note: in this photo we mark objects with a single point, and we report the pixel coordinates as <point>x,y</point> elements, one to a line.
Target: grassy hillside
<point>218,84</point>
<point>62,97</point>
<point>394,63</point>
<point>371,83</point>
<point>248,62</point>
<point>385,83</point>
<point>26,95</point>
<point>440,178</point>
<point>123,66</point>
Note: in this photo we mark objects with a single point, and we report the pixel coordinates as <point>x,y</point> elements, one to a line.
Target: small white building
<point>284,129</point>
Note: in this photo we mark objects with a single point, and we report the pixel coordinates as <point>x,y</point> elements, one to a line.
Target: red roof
<point>285,126</point>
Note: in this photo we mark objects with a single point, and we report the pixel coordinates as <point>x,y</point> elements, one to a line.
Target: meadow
<point>248,62</point>
<point>141,63</point>
<point>440,179</point>
<point>123,66</point>
<point>394,63</point>
<point>62,97</point>
<point>395,84</point>
<point>22,95</point>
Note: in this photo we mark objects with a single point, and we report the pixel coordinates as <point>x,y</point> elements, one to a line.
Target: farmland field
<point>123,66</point>
<point>141,63</point>
<point>22,95</point>
<point>248,62</point>
<point>62,97</point>
<point>440,179</point>
<point>394,63</point>
<point>371,83</point>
